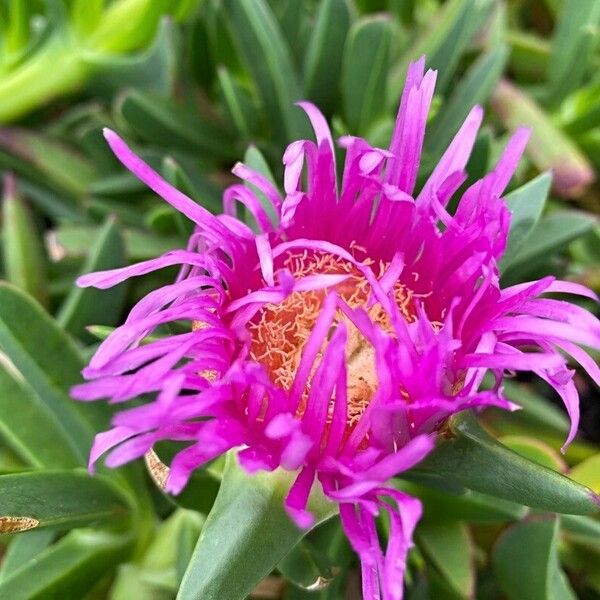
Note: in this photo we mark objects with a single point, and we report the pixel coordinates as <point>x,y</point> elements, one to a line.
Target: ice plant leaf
<point>474,459</point>
<point>474,88</point>
<point>63,499</point>
<point>364,72</point>
<point>84,306</point>
<point>449,547</point>
<point>238,102</point>
<point>552,233</point>
<point>536,451</point>
<point>587,473</point>
<point>525,561</point>
<point>526,205</point>
<point>40,349</point>
<point>24,258</point>
<point>308,567</point>
<point>69,568</point>
<point>323,58</point>
<point>549,148</point>
<point>575,38</point>
<point>24,548</point>
<point>267,57</point>
<point>29,426</point>
<point>245,536</point>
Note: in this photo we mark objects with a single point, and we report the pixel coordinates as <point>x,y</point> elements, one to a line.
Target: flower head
<point>335,341</point>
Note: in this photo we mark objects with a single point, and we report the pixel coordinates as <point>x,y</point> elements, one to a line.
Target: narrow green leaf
<point>323,59</point>
<point>475,460</point>
<point>68,568</point>
<point>62,166</point>
<point>245,536</point>
<point>549,148</point>
<point>549,236</point>
<point>443,42</point>
<point>536,451</point>
<point>24,259</point>
<point>525,561</point>
<point>238,103</point>
<point>255,160</point>
<point>364,72</point>
<point>23,548</point>
<point>267,57</point>
<point>50,362</point>
<point>164,122</point>
<point>85,16</point>
<point>526,205</point>
<point>529,55</point>
<point>86,306</point>
<point>449,547</point>
<point>307,567</point>
<point>582,530</point>
<point>474,88</point>
<point>575,38</point>
<point>588,473</point>
<point>28,425</point>
<point>61,500</point>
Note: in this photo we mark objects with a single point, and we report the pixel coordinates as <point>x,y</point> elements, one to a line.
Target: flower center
<point>280,331</point>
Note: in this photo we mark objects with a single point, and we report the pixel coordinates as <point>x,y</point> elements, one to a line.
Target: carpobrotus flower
<point>336,340</point>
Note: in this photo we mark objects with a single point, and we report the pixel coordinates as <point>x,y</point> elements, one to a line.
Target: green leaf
<point>552,232</point>
<point>267,57</point>
<point>323,58</point>
<point>474,459</point>
<point>49,360</point>
<point>588,473</point>
<point>526,205</point>
<point>449,547</point>
<point>256,161</point>
<point>307,567</point>
<point>61,166</point>
<point>61,500</point>
<point>24,548</point>
<point>536,451</point>
<point>443,42</point>
<point>84,306</point>
<point>29,427</point>
<point>549,147</point>
<point>468,505</point>
<point>238,102</point>
<point>245,536</point>
<point>68,568</point>
<point>364,72</point>
<point>24,259</point>
<point>161,121</point>
<point>525,561</point>
<point>474,88</point>
<point>153,70</point>
<point>575,38</point>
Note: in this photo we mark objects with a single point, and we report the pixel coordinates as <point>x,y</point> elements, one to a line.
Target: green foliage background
<point>195,85</point>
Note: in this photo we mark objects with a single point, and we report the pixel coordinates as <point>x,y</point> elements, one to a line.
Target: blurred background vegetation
<point>195,85</point>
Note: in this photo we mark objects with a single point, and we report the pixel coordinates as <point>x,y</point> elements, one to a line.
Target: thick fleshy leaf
<point>238,102</point>
<point>535,450</point>
<point>474,88</point>
<point>308,567</point>
<point>550,235</point>
<point>68,568</point>
<point>526,205</point>
<point>61,500</point>
<point>525,561</point>
<point>448,545</point>
<point>23,548</point>
<point>30,427</point>
<point>161,121</point>
<point>468,506</point>
<point>575,38</point>
<point>549,147</point>
<point>323,59</point>
<point>364,72</point>
<point>474,459</point>
<point>264,51</point>
<point>86,306</point>
<point>443,42</point>
<point>245,536</point>
<point>24,258</point>
<point>588,473</point>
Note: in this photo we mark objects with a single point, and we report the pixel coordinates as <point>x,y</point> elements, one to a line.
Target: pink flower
<point>335,341</point>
